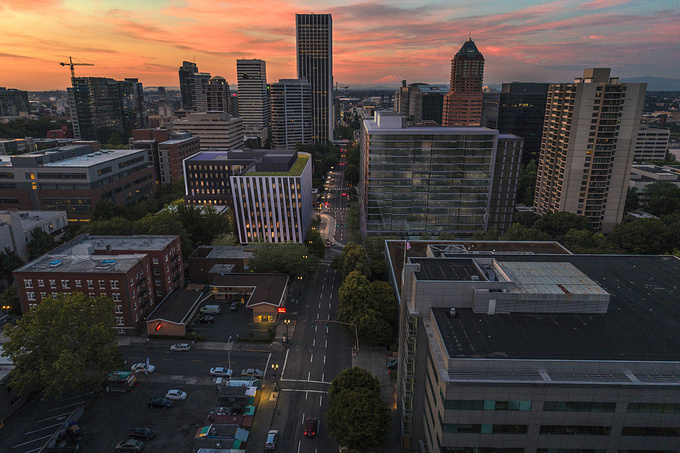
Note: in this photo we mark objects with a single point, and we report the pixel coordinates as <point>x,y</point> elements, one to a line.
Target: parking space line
<point>56,416</point>
<point>46,427</point>
<point>62,407</point>
<point>311,358</point>
<point>31,441</point>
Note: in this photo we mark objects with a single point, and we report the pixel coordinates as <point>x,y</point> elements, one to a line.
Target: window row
<point>66,284</point>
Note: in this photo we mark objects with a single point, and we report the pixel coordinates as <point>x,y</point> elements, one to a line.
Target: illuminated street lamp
<point>275,366</point>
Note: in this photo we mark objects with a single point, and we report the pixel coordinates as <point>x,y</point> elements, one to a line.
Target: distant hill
<point>655,83</point>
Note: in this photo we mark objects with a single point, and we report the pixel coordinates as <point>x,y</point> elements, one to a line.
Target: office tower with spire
<point>291,101</point>
<point>314,38</point>
<point>217,95</point>
<point>463,102</point>
<point>253,98</point>
<point>587,148</point>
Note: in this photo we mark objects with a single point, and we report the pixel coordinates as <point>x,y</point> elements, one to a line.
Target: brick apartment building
<point>166,150</point>
<point>137,272</point>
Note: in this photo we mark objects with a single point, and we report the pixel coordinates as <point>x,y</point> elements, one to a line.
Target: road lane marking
<point>314,343</point>
<point>329,317</point>
<point>266,367</point>
<point>319,304</point>
<point>299,444</point>
<point>79,403</point>
<point>284,363</point>
<point>47,427</point>
<point>31,441</point>
<point>309,375</point>
<point>323,286</point>
<point>320,296</point>
<point>320,400</point>
<point>322,376</point>
<point>301,390</point>
<point>324,361</point>
<point>311,358</point>
<point>329,306</point>
<point>326,343</point>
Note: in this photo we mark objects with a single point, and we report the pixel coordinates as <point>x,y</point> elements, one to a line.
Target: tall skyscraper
<point>186,83</point>
<point>463,102</point>
<point>314,36</point>
<point>101,107</point>
<point>253,99</point>
<point>217,95</point>
<point>587,148</point>
<point>291,101</point>
<point>193,86</point>
<point>521,111</point>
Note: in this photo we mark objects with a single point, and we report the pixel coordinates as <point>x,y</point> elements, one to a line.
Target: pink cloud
<point>602,4</point>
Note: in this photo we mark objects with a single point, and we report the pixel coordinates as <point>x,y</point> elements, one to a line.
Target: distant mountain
<point>655,83</point>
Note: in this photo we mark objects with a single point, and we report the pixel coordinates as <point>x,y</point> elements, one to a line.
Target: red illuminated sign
<point>281,309</point>
<point>158,327</point>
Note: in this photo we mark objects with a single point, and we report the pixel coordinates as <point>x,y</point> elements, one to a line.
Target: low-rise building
<point>166,150</point>
<point>651,143</point>
<point>217,130</point>
<point>642,175</point>
<point>202,261</point>
<point>74,178</point>
<point>134,271</point>
<point>16,228</point>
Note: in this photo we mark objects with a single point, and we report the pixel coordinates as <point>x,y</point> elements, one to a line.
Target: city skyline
<point>374,43</point>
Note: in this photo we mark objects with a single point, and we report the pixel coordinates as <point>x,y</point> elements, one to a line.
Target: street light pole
<point>229,356</point>
<point>275,366</point>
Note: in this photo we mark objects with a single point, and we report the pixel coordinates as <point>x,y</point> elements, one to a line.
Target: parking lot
<point>234,324</point>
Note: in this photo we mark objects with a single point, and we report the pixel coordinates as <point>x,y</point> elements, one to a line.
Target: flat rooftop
<point>642,324</point>
<point>176,307</point>
<point>83,264</point>
<point>99,157</point>
<point>268,288</point>
<point>224,251</point>
<point>550,278</point>
<point>461,269</point>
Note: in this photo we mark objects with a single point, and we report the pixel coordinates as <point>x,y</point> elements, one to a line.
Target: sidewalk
<point>372,358</point>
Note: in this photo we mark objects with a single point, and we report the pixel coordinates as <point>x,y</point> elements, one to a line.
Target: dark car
<point>142,433</point>
<point>233,306</point>
<point>311,427</point>
<point>160,402</point>
<point>329,243</point>
<point>205,319</point>
<point>130,445</point>
<point>392,364</point>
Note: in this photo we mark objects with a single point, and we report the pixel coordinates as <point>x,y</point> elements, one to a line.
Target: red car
<point>311,427</point>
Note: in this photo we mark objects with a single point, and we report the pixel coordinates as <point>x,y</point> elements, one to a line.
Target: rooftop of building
<point>84,253</point>
<point>469,49</point>
<point>31,219</point>
<point>176,307</point>
<point>641,324</point>
<point>389,125</point>
<point>426,89</point>
<point>224,251</point>
<point>268,288</point>
<point>98,157</point>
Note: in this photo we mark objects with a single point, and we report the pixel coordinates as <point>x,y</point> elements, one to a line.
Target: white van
<point>210,309</point>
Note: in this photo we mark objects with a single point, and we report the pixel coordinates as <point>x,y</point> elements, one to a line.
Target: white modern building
<point>651,143</point>
<point>291,109</point>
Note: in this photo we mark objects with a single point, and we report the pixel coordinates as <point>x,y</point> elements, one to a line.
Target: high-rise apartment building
<point>420,102</point>
<point>463,102</point>
<point>217,130</point>
<point>166,150</point>
<point>253,98</point>
<point>314,38</point>
<point>217,95</point>
<point>432,180</point>
<point>521,111</point>
<point>291,101</point>
<point>13,102</point>
<point>522,347</point>
<point>193,86</point>
<point>587,149</point>
<point>101,107</point>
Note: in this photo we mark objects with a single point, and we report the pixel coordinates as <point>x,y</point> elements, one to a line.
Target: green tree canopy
<point>353,258</point>
<point>518,232</point>
<point>9,260</point>
<point>292,259</point>
<point>353,379</point>
<point>315,243</point>
<point>65,344</point>
<point>632,200</point>
<point>9,300</point>
<point>661,198</point>
<point>41,243</point>
<point>557,224</point>
<point>225,239</point>
<point>641,236</point>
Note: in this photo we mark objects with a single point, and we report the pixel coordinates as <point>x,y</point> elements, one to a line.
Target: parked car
<point>210,309</point>
<point>272,438</point>
<point>159,402</point>
<point>180,347</point>
<point>205,319</point>
<point>142,433</point>
<point>392,364</point>
<point>130,445</point>
<point>254,372</point>
<point>221,371</point>
<point>177,395</point>
<point>141,368</point>
<point>233,306</point>
<point>311,427</point>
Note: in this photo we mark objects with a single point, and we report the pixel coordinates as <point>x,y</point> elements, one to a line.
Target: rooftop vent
<point>474,278</point>
<point>109,262</point>
<point>55,263</point>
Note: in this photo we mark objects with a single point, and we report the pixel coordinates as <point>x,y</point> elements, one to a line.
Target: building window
<point>90,284</point>
<point>41,282</point>
<point>119,309</point>
<point>114,284</point>
<point>157,272</point>
<point>30,295</point>
<point>65,284</point>
<point>576,430</point>
<point>102,284</point>
<point>133,295</point>
<point>79,283</point>
<point>120,320</point>
<point>32,306</point>
<point>28,283</point>
<point>158,282</point>
<point>53,284</point>
<point>154,260</point>
<point>43,295</point>
<point>134,307</point>
<point>159,293</point>
<point>115,297</point>
<point>578,406</point>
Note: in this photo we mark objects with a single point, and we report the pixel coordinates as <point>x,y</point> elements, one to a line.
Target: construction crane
<point>72,64</point>
<point>339,86</point>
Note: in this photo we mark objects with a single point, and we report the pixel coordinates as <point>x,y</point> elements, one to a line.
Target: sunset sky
<point>374,41</point>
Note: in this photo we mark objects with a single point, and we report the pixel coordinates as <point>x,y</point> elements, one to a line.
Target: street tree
<point>641,237</point>
<point>353,379</point>
<point>355,297</point>
<point>557,224</point>
<point>358,419</point>
<point>225,239</point>
<point>41,243</point>
<point>65,344</point>
<point>292,259</point>
<point>9,260</point>
<point>315,243</point>
<point>661,198</point>
<point>353,258</point>
<point>9,301</point>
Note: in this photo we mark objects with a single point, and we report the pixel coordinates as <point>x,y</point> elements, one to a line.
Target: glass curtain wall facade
<point>427,182</point>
